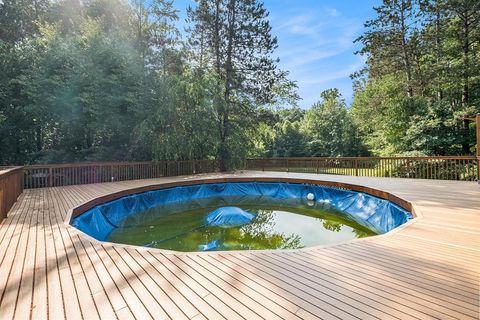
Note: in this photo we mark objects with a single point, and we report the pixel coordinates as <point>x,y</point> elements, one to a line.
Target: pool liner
<point>376,214</point>
<point>228,217</point>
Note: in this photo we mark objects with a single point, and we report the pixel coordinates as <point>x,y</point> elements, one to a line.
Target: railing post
<point>478,146</point>
<point>478,134</point>
<point>50,177</point>
<point>408,168</point>
<point>288,166</point>
<point>356,167</point>
<point>478,170</point>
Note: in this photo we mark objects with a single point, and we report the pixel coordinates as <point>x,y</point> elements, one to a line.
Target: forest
<point>117,80</point>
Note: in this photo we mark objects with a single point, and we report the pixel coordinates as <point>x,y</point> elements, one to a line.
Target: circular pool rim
<point>89,204</point>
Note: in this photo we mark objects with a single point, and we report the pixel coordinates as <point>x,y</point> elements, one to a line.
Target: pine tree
<point>389,36</point>
<point>233,39</point>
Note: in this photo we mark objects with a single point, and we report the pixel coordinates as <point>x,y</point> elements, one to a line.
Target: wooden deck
<point>426,269</point>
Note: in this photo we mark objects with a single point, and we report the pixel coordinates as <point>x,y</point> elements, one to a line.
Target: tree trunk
<point>437,48</point>
<point>228,82</point>
<point>38,138</point>
<point>217,37</point>
<point>220,104</point>
<point>465,77</point>
<point>202,49</point>
<point>406,58</point>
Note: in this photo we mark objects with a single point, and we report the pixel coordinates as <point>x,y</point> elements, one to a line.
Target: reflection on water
<point>289,224</point>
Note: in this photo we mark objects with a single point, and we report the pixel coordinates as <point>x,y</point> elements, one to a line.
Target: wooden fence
<point>10,188</point>
<point>14,179</point>
<point>39,176</point>
<point>445,168</point>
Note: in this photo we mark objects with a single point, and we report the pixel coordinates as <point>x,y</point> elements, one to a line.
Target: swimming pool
<point>240,216</point>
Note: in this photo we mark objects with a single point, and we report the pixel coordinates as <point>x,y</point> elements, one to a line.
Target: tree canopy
<point>422,77</point>
<point>100,80</point>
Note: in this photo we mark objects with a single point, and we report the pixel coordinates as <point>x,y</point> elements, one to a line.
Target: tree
<point>329,129</point>
<point>184,128</point>
<point>389,38</point>
<point>156,36</point>
<point>466,22</point>
<point>19,18</point>
<point>433,38</point>
<point>234,40</point>
<point>442,37</point>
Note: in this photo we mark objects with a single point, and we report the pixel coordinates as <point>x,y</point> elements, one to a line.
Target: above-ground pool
<point>240,216</point>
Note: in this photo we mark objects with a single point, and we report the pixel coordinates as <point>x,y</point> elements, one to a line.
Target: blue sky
<point>316,42</point>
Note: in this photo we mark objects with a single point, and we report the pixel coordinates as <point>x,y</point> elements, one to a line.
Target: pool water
<point>276,225</point>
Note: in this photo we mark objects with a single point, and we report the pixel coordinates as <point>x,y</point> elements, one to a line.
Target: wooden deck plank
<point>220,294</point>
<point>103,303</point>
<point>410,267</point>
<point>251,298</point>
<point>169,292</point>
<point>70,295</point>
<point>332,289</point>
<point>428,269</point>
<point>9,298</point>
<point>101,300</point>
<point>315,302</point>
<point>108,285</point>
<point>158,294</point>
<point>370,286</point>
<point>253,282</point>
<point>55,298</point>
<point>89,307</point>
<point>175,283</point>
<point>180,278</point>
<point>26,288</point>
<point>132,277</point>
<point>39,306</point>
<point>10,242</point>
<point>8,227</point>
<point>367,276</point>
<point>134,303</point>
<point>281,294</point>
<point>444,253</point>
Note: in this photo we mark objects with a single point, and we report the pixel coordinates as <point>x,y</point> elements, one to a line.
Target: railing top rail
<point>371,158</point>
<point>99,164</point>
<point>9,171</point>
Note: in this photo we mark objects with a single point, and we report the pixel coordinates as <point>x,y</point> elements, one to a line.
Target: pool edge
<point>83,207</point>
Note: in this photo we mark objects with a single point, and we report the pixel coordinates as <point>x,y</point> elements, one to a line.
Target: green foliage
<point>422,77</point>
<point>233,39</point>
<point>326,129</point>
<point>329,128</point>
<point>184,128</point>
<point>113,80</point>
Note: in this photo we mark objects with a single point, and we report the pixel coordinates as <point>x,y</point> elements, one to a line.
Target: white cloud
<point>330,76</point>
<point>332,12</point>
<point>313,43</point>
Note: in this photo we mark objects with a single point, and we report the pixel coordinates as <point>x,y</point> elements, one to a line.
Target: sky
<point>316,42</point>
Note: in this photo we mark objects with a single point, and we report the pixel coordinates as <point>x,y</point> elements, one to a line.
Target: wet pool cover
<point>234,207</point>
<point>228,217</point>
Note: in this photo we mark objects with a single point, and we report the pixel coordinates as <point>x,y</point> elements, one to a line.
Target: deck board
<point>427,269</point>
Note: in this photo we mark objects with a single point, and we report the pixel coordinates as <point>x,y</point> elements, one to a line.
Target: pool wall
<point>375,213</point>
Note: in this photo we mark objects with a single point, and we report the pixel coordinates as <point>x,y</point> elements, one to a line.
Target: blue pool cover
<point>228,217</point>
<point>377,214</point>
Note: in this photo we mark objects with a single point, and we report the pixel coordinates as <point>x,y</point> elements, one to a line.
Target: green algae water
<point>276,224</point>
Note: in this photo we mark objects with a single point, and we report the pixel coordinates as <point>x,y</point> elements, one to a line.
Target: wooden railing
<point>445,168</point>
<point>10,188</point>
<point>39,176</point>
